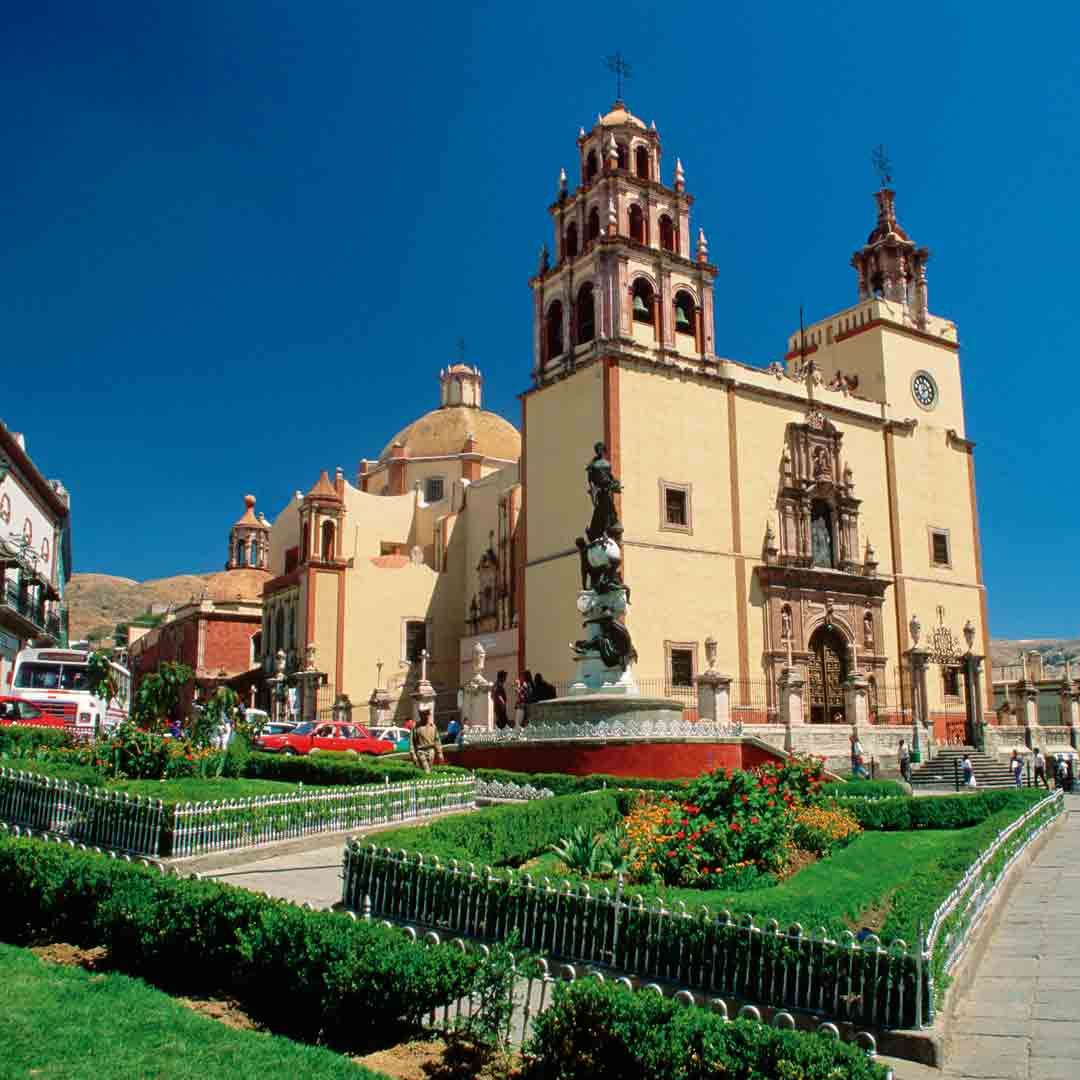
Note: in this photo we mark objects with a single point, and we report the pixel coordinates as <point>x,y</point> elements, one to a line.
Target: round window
<point>924,390</point>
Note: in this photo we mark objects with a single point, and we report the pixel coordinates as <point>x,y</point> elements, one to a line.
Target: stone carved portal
<point>828,669</point>
<point>816,591</point>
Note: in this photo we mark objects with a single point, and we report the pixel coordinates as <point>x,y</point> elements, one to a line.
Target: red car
<point>15,710</point>
<point>304,738</point>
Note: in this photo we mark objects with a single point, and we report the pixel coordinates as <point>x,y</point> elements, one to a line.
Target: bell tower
<point>622,276</point>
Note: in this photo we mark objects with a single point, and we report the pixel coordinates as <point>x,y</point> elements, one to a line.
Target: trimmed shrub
<point>564,784</point>
<point>313,975</point>
<point>600,1031</point>
<point>336,768</point>
<point>76,774</point>
<point>508,835</point>
<point>864,789</point>
<point>939,811</point>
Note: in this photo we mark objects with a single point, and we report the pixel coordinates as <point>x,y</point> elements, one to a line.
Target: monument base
<point>605,714</point>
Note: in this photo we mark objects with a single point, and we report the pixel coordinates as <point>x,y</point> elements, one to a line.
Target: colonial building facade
<point>35,554</point>
<point>787,513</point>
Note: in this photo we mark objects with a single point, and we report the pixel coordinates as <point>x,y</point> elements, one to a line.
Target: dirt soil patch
<point>407,1061</point>
<point>59,952</point>
<point>224,1010</point>
<point>798,860</point>
<point>872,918</point>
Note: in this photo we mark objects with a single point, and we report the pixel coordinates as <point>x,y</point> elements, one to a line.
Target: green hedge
<point>600,1031</point>
<point>76,774</point>
<point>312,975</point>
<point>24,740</point>
<point>564,784</point>
<point>939,811</point>
<point>507,835</point>
<point>865,789</point>
<point>336,768</point>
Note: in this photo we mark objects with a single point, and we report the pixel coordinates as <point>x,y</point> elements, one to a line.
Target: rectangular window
<point>433,489</point>
<point>415,639</point>
<point>681,664</point>
<point>940,555</point>
<point>951,678</point>
<point>675,507</point>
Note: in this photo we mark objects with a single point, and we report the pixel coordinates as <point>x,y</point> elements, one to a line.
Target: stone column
<point>1028,694</point>
<point>379,708</point>
<point>423,697</point>
<point>791,685</point>
<point>309,680</point>
<point>856,699</point>
<point>918,662</point>
<point>714,697</point>
<point>973,698</point>
<point>276,682</point>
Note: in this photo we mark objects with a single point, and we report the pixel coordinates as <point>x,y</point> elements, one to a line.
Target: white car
<point>399,736</point>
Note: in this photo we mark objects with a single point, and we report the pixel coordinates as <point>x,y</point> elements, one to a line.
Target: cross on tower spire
<point>620,67</point>
<point>882,164</point>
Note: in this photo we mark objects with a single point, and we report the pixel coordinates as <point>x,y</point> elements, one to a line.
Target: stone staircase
<point>990,771</point>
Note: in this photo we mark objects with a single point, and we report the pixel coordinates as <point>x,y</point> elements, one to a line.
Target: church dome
<point>621,115</point>
<point>228,586</point>
<point>444,431</point>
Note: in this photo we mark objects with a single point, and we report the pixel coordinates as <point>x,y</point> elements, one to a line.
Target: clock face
<point>924,389</point>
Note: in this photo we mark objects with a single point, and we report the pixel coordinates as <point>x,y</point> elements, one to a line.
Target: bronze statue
<point>603,487</point>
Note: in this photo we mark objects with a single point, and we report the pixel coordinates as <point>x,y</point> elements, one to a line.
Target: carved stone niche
<point>816,505</point>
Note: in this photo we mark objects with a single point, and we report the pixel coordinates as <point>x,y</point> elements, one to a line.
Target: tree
<point>159,695</point>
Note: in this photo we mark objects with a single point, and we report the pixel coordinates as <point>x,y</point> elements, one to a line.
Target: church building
<point>782,513</point>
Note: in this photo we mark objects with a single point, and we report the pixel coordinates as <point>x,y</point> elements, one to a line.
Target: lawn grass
<point>854,882</point>
<point>63,1022</point>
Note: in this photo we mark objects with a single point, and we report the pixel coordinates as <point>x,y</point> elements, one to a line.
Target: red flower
<point>745,798</point>
<point>736,827</point>
<point>671,854</point>
<point>771,802</point>
<point>680,835</point>
<point>753,821</point>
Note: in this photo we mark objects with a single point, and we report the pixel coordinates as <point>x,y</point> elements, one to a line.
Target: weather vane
<point>882,164</point>
<point>621,69</point>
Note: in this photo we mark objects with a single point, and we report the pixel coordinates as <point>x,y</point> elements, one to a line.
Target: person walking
<point>425,744</point>
<point>524,695</point>
<point>858,769</point>
<point>905,762</point>
<point>968,771</point>
<point>1062,771</point>
<point>1017,768</point>
<point>453,731</point>
<point>498,697</point>
<point>543,690</point>
<point>1040,768</point>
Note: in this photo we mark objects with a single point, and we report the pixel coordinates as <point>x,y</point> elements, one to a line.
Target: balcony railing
<point>24,603</point>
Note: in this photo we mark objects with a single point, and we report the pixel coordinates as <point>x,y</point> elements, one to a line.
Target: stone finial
<point>339,473</point>
<point>680,177</point>
<point>702,246</point>
<point>563,184</point>
<point>279,663</point>
<point>871,560</point>
<point>309,664</point>
<point>298,495</point>
<point>612,152</point>
<point>378,674</point>
<point>652,125</point>
<point>581,133</point>
<point>969,634</point>
<point>612,217</point>
<point>479,658</point>
<point>544,261</point>
<point>849,474</point>
<point>416,555</point>
<point>915,629</point>
<point>710,652</point>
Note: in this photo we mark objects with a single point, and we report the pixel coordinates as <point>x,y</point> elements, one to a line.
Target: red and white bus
<point>58,683</point>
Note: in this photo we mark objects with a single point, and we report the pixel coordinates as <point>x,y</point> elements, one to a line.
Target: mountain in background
<point>97,602</point>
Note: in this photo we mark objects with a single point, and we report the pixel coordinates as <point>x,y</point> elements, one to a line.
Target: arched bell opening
<point>553,330</point>
<point>637,224</point>
<point>685,313</point>
<point>570,243</point>
<point>642,302</point>
<point>641,162</point>
<point>586,314</point>
<point>592,228</point>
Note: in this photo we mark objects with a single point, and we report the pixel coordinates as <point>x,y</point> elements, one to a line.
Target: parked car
<point>324,736</point>
<point>399,736</point>
<point>279,727</point>
<point>15,710</point>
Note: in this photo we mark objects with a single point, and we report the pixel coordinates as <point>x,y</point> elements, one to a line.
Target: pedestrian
<point>1062,771</point>
<point>425,746</point>
<point>542,689</point>
<point>858,769</point>
<point>498,697</point>
<point>968,771</point>
<point>1040,768</point>
<point>1017,768</point>
<point>523,697</point>
<point>1070,776</point>
<point>905,762</point>
<point>453,731</point>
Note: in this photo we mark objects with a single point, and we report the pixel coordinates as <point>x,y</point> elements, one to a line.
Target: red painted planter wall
<point>662,760</point>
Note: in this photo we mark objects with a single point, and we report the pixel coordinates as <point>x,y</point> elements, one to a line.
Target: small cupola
<point>460,384</point>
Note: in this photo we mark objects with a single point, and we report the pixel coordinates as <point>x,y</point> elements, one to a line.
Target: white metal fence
<point>716,953</point>
<point>91,815</point>
<point>236,823</point>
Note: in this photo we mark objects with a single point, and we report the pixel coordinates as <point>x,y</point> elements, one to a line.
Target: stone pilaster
<point>857,700</point>
<point>791,685</point>
<point>714,697</point>
<point>379,708</point>
<point>1028,695</point>
<point>918,662</point>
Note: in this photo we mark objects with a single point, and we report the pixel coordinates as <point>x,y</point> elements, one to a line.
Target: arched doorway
<point>828,669</point>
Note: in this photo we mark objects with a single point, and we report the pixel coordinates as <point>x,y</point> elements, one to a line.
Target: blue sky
<point>240,239</point>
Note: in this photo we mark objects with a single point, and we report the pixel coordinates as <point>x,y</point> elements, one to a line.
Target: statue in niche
<point>819,460</point>
<point>868,629</point>
<point>821,539</point>
<point>786,628</point>
<point>603,487</point>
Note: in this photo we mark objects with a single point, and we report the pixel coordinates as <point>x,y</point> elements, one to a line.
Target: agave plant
<point>582,852</point>
<point>617,853</point>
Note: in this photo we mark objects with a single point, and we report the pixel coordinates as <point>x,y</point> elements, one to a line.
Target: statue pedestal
<point>479,708</point>
<point>594,675</point>
<point>856,700</point>
<point>379,710</point>
<point>714,697</point>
